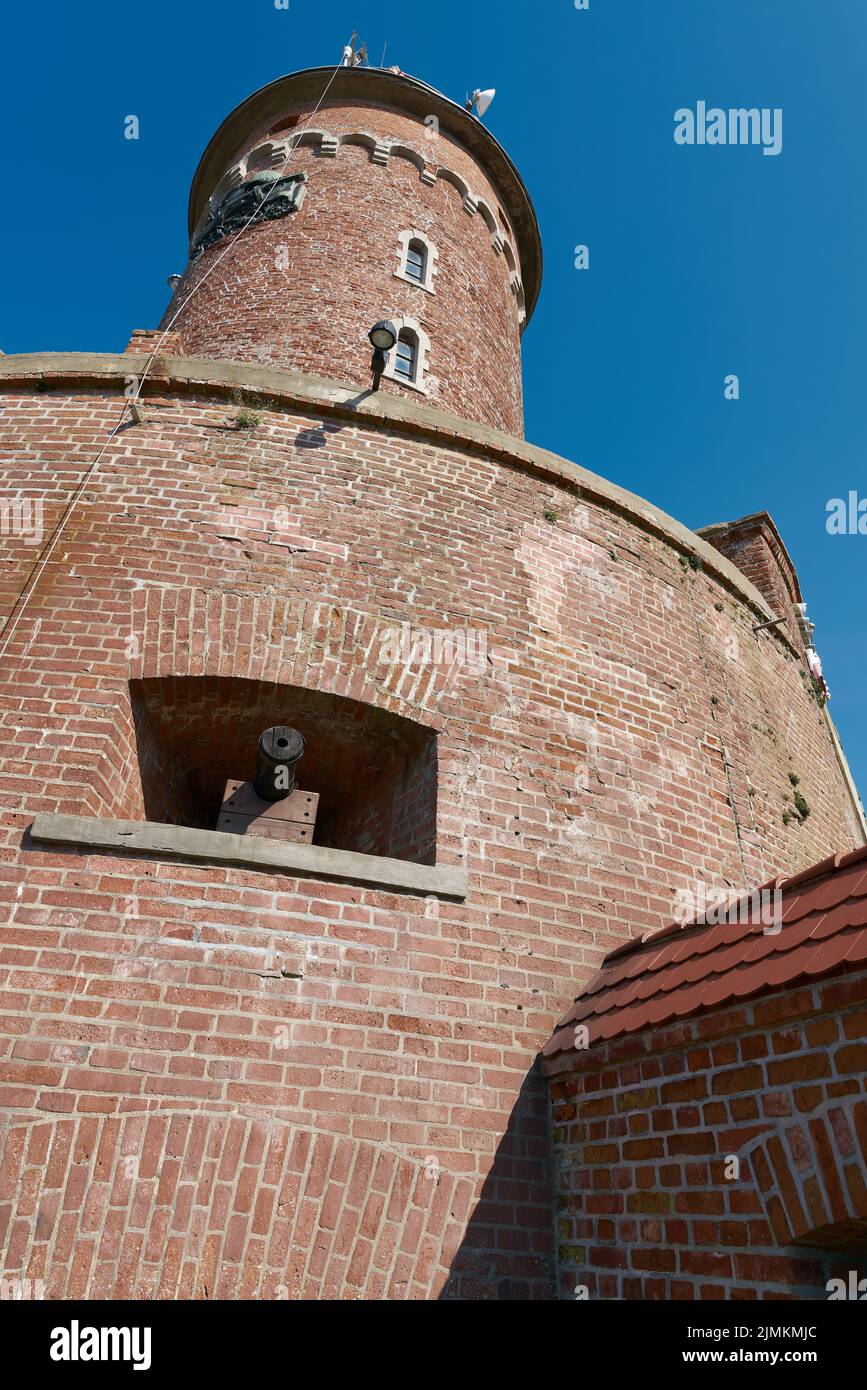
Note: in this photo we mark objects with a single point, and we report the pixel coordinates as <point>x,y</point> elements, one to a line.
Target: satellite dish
<point>480,101</point>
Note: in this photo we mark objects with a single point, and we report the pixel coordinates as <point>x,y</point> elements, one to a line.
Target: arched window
<point>409,358</point>
<point>406,356</point>
<point>416,261</point>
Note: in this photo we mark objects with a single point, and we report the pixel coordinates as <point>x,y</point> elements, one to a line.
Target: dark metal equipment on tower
<point>279,751</point>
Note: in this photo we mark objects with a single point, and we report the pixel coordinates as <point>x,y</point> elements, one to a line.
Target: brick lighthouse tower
<point>299,1061</point>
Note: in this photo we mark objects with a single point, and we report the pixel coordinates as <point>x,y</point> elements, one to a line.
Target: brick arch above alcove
<point>272,637</point>
<point>193,1205</point>
<point>811,1176</point>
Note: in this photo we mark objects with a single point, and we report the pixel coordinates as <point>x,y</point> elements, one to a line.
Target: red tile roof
<point>683,969</point>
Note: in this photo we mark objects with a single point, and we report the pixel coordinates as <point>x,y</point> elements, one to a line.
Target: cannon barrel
<point>278,752</point>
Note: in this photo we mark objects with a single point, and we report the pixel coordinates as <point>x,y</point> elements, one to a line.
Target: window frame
<point>415,264</point>
<point>409,329</point>
<point>414,240</point>
<point>409,340</point>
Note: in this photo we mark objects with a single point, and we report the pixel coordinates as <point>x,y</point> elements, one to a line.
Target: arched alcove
<point>375,771</point>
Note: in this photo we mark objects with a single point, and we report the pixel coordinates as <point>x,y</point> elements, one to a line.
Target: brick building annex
<point>291,1049</point>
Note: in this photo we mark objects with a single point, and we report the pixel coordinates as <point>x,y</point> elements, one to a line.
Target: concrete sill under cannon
<point>145,838</point>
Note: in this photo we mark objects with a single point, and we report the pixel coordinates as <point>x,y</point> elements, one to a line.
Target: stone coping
<point>248,852</point>
<point>297,390</point>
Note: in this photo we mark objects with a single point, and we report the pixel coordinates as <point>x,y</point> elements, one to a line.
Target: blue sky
<point>703,261</point>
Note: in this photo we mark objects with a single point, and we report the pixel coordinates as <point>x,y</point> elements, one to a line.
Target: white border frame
<point>431,267</point>
<point>421,366</point>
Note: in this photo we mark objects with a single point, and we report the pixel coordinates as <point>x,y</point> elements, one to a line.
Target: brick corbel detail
<point>144,340</point>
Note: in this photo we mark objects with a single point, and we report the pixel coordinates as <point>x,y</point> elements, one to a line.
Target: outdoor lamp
<point>383,336</point>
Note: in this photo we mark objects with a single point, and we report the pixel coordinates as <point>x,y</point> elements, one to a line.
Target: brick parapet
<point>183,375</point>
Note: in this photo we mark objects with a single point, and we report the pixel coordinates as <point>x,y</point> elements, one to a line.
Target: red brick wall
<point>644,1126</point>
<point>303,291</point>
<point>145,340</point>
<point>580,777</point>
<point>753,546</point>
<point>177,1205</point>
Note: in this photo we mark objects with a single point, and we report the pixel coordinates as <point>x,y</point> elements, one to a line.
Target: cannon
<point>271,806</point>
<point>279,751</point>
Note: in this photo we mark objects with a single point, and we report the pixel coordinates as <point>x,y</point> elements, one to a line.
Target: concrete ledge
<point>71,371</point>
<point>245,851</point>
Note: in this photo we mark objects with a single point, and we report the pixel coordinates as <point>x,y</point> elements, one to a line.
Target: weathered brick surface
<point>580,775</point>
<point>645,1128</point>
<point>144,341</point>
<point>180,1205</point>
<point>752,543</point>
<point>303,291</point>
<point>228,1083</point>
